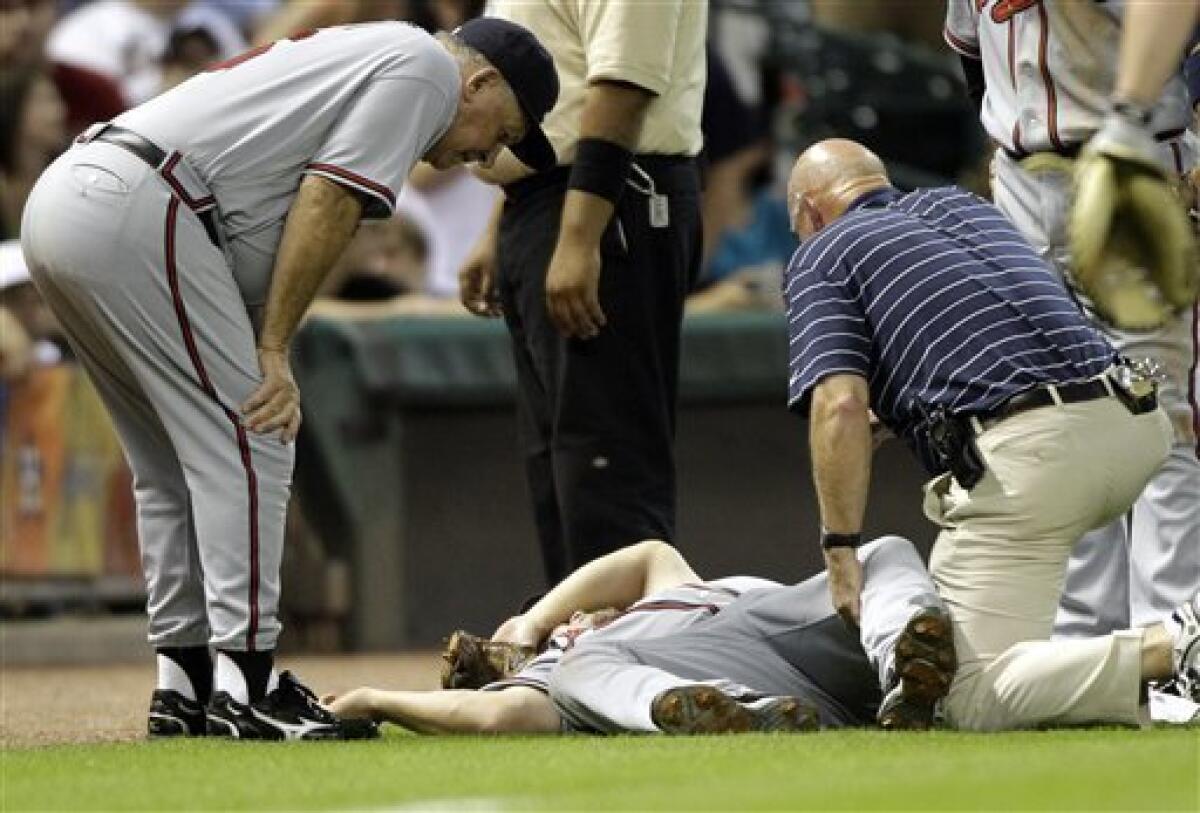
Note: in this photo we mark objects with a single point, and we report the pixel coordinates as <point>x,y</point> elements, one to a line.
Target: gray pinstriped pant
<point>154,314</point>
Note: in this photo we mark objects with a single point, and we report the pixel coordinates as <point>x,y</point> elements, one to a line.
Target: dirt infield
<point>59,704</point>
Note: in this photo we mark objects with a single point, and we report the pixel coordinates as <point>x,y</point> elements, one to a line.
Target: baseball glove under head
<point>471,662</point>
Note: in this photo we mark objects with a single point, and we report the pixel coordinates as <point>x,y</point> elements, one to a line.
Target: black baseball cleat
<point>290,712</point>
<point>704,709</point>
<point>173,715</point>
<point>925,665</point>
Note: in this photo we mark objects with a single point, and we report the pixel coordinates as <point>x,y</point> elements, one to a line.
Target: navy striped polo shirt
<point>938,301</point>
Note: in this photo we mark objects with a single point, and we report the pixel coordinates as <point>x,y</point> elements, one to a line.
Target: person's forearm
<point>1153,37</point>
<point>319,226</point>
<point>616,580</point>
<point>612,111</point>
<point>466,711</point>
<point>841,446</point>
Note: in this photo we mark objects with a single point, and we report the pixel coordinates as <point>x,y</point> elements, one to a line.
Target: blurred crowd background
<point>781,74</point>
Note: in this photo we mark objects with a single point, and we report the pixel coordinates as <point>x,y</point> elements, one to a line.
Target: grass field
<point>851,770</point>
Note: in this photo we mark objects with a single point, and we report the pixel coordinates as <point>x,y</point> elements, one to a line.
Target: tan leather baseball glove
<point>1133,247</point>
<point>471,662</point>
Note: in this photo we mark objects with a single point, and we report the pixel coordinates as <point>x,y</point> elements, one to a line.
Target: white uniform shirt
<point>1050,67</point>
<point>357,104</point>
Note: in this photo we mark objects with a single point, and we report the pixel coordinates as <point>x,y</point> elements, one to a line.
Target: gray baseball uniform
<point>163,318</point>
<point>773,641</point>
<point>666,612</point>
<point>1049,69</point>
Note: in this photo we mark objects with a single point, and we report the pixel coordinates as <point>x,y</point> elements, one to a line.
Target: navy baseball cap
<point>529,70</point>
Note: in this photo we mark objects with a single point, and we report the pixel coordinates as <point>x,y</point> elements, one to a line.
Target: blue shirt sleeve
<point>827,330</point>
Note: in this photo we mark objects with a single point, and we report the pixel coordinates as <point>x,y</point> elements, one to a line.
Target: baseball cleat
<point>173,715</point>
<point>704,709</point>
<point>1184,626</point>
<point>290,712</point>
<point>925,665</point>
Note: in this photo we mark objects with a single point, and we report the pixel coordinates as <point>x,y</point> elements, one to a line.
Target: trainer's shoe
<point>1184,626</point>
<point>925,665</point>
<point>290,712</point>
<point>173,715</point>
<point>704,709</point>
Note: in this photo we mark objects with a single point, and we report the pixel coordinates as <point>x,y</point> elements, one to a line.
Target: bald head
<point>827,178</point>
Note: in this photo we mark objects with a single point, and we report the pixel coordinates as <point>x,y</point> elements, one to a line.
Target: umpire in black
<point>590,263</point>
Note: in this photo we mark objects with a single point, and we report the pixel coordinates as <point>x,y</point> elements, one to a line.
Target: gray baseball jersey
<point>1050,68</point>
<point>358,104</point>
<point>162,318</point>
<point>664,613</point>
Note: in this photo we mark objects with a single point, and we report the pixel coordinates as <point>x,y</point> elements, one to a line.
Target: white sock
<point>229,679</point>
<point>171,676</point>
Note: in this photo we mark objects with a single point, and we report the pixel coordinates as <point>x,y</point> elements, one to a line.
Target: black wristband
<point>600,168</point>
<point>832,540</point>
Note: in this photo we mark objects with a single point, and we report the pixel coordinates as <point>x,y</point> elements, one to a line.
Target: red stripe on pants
<point>243,441</point>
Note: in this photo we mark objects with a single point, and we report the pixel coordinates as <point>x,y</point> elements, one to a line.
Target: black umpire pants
<point>597,416</point>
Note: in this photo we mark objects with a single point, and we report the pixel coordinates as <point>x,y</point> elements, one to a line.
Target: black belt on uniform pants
<point>1043,396</point>
<point>1073,150</point>
<point>157,158</point>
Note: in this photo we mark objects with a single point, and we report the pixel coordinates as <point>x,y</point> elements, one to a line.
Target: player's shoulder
<point>408,46</point>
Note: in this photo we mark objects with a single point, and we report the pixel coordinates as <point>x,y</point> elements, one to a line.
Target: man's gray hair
<point>465,54</point>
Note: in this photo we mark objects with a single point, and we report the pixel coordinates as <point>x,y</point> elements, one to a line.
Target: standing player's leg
<point>175,602</point>
<point>71,246</point>
<point>1165,549</point>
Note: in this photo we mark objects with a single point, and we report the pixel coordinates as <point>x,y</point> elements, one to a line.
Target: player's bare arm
<point>612,112</point>
<point>616,580</point>
<point>841,444</point>
<point>511,710</point>
<point>319,226</point>
<point>1152,44</point>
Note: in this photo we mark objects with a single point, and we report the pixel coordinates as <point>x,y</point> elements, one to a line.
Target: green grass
<point>851,770</point>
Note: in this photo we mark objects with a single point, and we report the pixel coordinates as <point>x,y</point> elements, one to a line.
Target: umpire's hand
<point>573,289</point>
<point>845,583</point>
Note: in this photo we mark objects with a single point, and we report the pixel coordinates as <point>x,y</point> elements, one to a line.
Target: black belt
<point>1072,150</point>
<point>156,157</point>
<point>143,148</point>
<point>1043,397</point>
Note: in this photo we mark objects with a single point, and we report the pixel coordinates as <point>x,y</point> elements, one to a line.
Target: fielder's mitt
<point>471,662</point>
<point>1133,247</point>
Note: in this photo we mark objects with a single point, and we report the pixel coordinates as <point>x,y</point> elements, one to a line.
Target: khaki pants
<point>1053,474</point>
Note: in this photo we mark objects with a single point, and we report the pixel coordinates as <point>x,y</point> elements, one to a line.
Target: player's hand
<point>573,290</point>
<point>845,583</point>
<point>477,279</point>
<point>518,630</point>
<point>358,703</point>
<point>275,405</point>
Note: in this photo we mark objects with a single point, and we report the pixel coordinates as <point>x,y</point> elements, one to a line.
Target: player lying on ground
<point>735,654</point>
